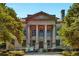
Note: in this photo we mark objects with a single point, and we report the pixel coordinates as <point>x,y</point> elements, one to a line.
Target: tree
<point>69,31</point>
<point>10,25</point>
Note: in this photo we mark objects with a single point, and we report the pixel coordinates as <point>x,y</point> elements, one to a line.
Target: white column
<point>37,43</point>
<point>28,35</point>
<point>45,40</point>
<point>54,37</point>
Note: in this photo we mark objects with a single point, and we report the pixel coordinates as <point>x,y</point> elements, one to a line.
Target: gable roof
<point>34,16</point>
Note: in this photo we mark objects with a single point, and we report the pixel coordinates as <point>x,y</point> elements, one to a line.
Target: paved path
<point>45,53</point>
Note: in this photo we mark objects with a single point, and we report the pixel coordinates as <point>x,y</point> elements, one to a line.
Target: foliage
<point>10,26</point>
<point>16,53</point>
<point>69,31</point>
<point>66,53</point>
<point>70,53</point>
<point>75,53</point>
<point>12,53</point>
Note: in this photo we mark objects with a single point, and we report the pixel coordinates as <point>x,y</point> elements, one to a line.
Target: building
<point>41,31</point>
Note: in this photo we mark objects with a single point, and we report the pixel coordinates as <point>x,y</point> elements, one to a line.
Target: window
<point>33,32</point>
<point>32,44</point>
<point>57,30</point>
<point>57,42</point>
<point>49,32</point>
<point>48,44</point>
<point>41,32</point>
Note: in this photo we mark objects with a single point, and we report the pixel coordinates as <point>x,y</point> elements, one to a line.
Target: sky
<point>23,9</point>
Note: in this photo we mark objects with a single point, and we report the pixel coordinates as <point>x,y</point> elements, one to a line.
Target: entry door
<point>41,44</point>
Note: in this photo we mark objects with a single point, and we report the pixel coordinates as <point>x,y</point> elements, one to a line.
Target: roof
<point>41,13</point>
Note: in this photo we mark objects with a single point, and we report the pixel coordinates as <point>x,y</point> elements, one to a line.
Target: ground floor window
<point>57,42</point>
<point>41,44</point>
<point>48,44</point>
<point>32,43</point>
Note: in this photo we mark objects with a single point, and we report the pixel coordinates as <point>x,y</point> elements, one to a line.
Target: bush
<point>70,53</point>
<point>4,53</point>
<point>66,53</point>
<point>16,53</point>
<point>75,53</point>
<point>11,53</point>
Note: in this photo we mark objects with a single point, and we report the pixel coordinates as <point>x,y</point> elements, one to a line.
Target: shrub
<point>66,53</point>
<point>16,53</point>
<point>70,53</point>
<point>75,53</point>
<point>11,53</point>
<point>4,54</point>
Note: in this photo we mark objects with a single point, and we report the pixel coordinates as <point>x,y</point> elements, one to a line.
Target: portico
<point>41,36</point>
<point>41,31</point>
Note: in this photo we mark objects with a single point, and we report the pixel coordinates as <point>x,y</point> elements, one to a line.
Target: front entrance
<point>40,44</point>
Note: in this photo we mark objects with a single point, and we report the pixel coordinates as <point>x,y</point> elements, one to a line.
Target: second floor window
<point>41,32</point>
<point>33,32</point>
<point>49,32</point>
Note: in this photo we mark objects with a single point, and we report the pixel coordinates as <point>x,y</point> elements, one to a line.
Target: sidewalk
<point>44,53</point>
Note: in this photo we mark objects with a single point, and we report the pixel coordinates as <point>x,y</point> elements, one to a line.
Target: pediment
<point>41,16</point>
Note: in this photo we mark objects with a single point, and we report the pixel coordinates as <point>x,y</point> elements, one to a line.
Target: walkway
<point>45,53</point>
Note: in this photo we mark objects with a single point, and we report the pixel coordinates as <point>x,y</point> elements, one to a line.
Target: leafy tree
<point>10,25</point>
<point>69,31</point>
